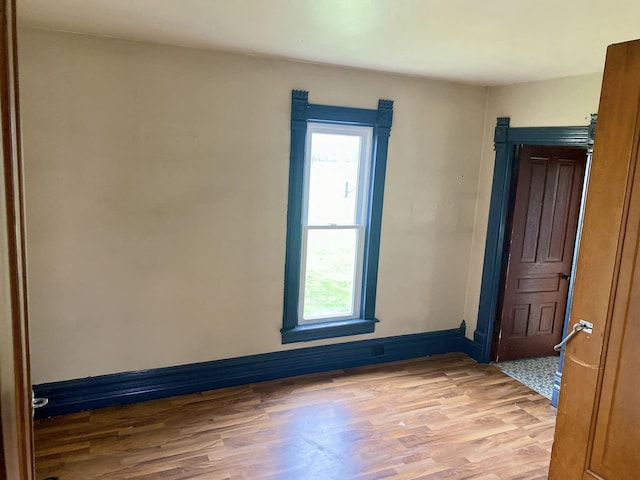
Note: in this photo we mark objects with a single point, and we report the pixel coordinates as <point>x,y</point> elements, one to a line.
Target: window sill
<point>318,331</point>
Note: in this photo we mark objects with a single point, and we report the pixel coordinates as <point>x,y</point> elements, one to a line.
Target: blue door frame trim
<point>132,387</point>
<point>506,140</point>
<point>380,119</point>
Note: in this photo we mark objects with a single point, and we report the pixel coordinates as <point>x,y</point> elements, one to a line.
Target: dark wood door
<point>16,456</point>
<point>598,423</point>
<point>545,218</point>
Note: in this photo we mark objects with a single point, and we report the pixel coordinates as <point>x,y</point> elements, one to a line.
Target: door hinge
<point>38,402</point>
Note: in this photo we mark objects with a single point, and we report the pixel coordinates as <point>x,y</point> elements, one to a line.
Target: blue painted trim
<point>471,348</point>
<point>318,331</point>
<point>132,387</point>
<point>506,140</point>
<point>345,115</point>
<point>380,119</point>
<point>498,211</point>
<point>381,134</point>
<point>559,136</point>
<point>467,346</point>
<point>299,107</point>
<point>557,381</point>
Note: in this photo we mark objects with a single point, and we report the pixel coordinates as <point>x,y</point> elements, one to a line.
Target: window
<point>336,185</point>
<point>337,160</point>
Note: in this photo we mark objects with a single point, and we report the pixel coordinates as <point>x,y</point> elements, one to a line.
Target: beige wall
<point>561,102</point>
<point>157,194</point>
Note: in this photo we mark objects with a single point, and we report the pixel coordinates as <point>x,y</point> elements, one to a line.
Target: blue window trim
<point>380,119</point>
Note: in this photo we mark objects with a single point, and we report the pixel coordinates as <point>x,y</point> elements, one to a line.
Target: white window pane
<point>330,270</point>
<point>333,179</point>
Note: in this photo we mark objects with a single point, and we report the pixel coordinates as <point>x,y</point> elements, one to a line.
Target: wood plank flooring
<point>439,417</point>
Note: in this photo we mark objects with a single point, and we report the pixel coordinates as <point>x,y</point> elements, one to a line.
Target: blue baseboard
<point>471,348</point>
<point>131,387</point>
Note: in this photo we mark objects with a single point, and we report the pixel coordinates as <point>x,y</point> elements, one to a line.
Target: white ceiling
<point>485,42</point>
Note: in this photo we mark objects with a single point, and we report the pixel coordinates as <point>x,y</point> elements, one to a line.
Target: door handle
<point>582,325</point>
<point>565,276</point>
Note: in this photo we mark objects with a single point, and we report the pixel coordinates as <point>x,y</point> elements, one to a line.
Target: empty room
<point>319,239</point>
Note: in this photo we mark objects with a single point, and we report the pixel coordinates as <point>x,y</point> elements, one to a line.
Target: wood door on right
<point>16,425</point>
<point>598,424</point>
<point>543,233</point>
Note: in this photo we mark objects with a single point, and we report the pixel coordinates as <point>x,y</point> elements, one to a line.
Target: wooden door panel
<point>568,175</point>
<point>538,283</point>
<point>546,322</point>
<point>548,210</point>
<point>521,314</point>
<point>541,250</point>
<point>533,319</point>
<point>532,211</point>
<point>598,423</point>
<point>617,420</point>
<point>16,460</point>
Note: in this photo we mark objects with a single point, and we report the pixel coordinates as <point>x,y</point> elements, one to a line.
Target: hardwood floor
<point>440,417</point>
